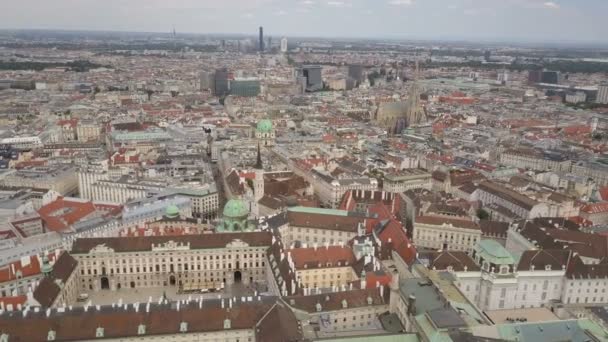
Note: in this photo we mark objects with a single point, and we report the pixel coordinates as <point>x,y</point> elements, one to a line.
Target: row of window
<point>163,268</point>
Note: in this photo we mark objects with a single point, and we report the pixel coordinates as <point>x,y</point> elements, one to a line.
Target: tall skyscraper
<point>356,73</point>
<point>207,80</point>
<point>261,39</point>
<point>284,45</point>
<point>535,76</point>
<point>551,77</point>
<point>221,82</point>
<point>602,93</point>
<point>313,76</point>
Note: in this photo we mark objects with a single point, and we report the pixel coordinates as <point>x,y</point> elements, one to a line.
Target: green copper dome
<point>265,126</point>
<point>172,211</point>
<point>235,209</point>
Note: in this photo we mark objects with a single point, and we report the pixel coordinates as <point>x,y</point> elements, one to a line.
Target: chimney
<point>411,305</point>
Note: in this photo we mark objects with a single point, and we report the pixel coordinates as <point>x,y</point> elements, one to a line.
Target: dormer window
<point>504,269</point>
<point>547,267</point>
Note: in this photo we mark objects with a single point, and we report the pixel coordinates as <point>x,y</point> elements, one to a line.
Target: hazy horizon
<point>525,21</point>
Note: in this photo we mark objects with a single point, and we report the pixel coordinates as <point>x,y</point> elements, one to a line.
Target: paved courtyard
<point>142,295</point>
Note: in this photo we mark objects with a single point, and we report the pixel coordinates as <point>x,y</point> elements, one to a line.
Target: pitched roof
<point>540,259</point>
<point>393,236</point>
<point>279,325</point>
<point>26,267</point>
<point>49,287</point>
<point>62,213</point>
<point>333,301</point>
<point>508,195</point>
<point>163,319</point>
<point>346,223</point>
<point>494,228</point>
<point>322,257</point>
<point>455,259</point>
<point>440,220</point>
<point>577,269</point>
<point>145,243</point>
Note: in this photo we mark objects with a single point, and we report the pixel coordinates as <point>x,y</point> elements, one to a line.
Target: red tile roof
<point>322,257</point>
<point>595,208</point>
<point>393,234</point>
<point>14,301</point>
<point>60,214</point>
<point>27,269</point>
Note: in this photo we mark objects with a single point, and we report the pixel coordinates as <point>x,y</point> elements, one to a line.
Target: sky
<point>485,20</point>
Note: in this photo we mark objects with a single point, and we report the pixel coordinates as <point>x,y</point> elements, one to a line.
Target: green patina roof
<point>172,211</point>
<point>235,209</point>
<point>568,330</point>
<point>265,126</point>
<point>322,211</point>
<point>494,252</point>
<point>46,266</point>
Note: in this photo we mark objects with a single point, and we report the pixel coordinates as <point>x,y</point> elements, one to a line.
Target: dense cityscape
<point>261,187</point>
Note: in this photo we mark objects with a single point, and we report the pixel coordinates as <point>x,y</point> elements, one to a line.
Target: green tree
<point>250,183</point>
<point>482,214</point>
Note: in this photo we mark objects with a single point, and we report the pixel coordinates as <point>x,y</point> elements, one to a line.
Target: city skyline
<point>513,20</point>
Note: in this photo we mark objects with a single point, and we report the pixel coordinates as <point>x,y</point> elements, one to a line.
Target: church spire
<point>258,163</point>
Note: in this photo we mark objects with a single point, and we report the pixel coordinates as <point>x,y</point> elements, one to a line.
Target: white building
<point>494,280</point>
<point>284,45</point>
<point>513,201</point>
<point>406,180</point>
<point>441,233</point>
<point>199,261</point>
<point>22,142</point>
<point>330,190</point>
<point>602,93</point>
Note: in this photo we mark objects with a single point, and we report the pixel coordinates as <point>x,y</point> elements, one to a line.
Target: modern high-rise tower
<point>284,45</point>
<point>261,39</point>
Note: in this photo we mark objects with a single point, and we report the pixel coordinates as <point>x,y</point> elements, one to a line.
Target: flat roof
<point>530,314</point>
<point>322,211</point>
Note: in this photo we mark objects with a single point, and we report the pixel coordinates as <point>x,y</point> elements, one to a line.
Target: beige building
<point>330,190</point>
<point>323,267</point>
<point>310,226</point>
<point>88,130</point>
<point>535,160</point>
<point>61,178</point>
<point>407,179</point>
<point>513,201</point>
<point>445,233</point>
<point>343,313</point>
<point>199,261</point>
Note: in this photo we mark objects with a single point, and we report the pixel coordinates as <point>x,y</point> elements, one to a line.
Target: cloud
<point>401,2</point>
<point>551,5</point>
<point>280,12</point>
<point>338,4</point>
<point>247,15</point>
<point>307,3</point>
